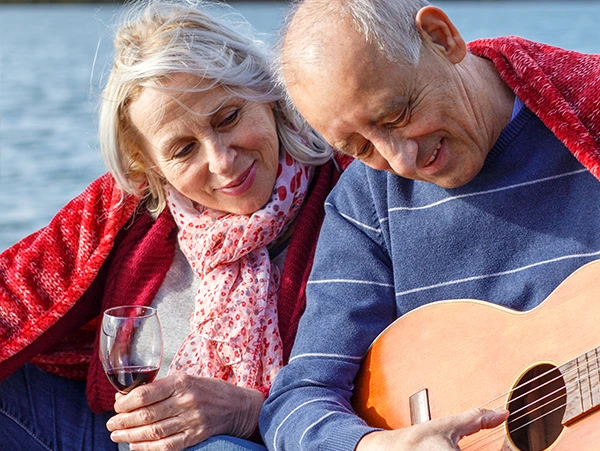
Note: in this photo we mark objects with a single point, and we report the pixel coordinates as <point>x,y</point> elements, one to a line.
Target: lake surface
<point>53,59</point>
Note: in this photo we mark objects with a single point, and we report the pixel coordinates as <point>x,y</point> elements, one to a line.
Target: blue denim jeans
<point>43,412</point>
<point>226,443</point>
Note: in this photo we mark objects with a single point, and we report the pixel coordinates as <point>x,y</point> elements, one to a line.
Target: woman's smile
<point>241,184</point>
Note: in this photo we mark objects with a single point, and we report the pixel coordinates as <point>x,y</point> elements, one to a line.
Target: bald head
<point>315,26</point>
<point>305,43</point>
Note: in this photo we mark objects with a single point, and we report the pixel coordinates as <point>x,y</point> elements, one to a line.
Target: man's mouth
<point>434,154</point>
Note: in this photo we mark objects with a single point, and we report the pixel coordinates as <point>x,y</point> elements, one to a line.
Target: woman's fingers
<point>157,431</point>
<point>144,415</point>
<point>175,442</point>
<point>145,395</point>
<point>183,407</point>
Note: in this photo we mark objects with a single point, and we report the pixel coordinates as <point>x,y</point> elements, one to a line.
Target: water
<point>53,58</point>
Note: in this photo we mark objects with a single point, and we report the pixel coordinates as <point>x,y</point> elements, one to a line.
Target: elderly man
<point>479,181</point>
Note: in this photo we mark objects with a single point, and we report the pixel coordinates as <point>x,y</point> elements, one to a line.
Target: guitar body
<point>468,353</point>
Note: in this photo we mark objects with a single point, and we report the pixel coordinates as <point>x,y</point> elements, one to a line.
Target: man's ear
<point>436,28</point>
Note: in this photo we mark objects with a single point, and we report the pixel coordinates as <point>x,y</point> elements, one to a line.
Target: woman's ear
<point>438,30</point>
<point>140,165</point>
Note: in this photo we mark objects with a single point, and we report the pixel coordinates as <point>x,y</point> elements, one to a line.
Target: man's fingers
<point>472,421</point>
<point>494,418</point>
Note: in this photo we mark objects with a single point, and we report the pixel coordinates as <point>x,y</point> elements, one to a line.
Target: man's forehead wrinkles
<point>391,106</point>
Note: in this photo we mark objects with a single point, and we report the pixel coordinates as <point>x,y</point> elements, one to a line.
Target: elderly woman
<point>209,213</point>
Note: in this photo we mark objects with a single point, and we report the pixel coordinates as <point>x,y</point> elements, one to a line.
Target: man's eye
<point>401,119</point>
<point>364,150</point>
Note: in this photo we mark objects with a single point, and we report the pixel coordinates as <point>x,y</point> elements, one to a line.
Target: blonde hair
<point>158,38</point>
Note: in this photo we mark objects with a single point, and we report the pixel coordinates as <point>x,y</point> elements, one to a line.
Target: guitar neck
<point>582,381</point>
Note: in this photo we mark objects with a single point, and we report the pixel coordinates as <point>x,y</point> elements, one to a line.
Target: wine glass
<point>131,346</point>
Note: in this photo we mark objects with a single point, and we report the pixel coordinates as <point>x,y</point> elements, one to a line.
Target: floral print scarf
<point>234,331</point>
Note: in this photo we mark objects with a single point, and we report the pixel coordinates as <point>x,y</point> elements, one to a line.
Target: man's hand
<point>441,434</point>
<point>181,410</point>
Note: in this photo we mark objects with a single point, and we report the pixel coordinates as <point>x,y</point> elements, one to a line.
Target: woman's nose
<point>220,156</point>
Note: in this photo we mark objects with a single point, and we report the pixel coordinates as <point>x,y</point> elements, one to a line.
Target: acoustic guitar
<point>450,356</point>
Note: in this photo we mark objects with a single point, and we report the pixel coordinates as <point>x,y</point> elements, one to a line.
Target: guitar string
<point>537,408</point>
<point>498,431</point>
<point>493,432</point>
<point>526,406</point>
<point>513,420</point>
<point>573,369</point>
<point>560,376</point>
<point>586,376</point>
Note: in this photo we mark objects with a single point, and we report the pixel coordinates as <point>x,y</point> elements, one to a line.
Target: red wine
<point>126,378</point>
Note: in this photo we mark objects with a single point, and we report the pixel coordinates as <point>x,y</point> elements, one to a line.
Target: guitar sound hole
<point>537,407</point>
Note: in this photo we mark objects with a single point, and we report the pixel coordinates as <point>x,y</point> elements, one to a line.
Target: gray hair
<point>388,24</point>
<point>158,38</point>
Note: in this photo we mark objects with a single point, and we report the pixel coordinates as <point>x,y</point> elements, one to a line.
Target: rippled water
<point>52,58</point>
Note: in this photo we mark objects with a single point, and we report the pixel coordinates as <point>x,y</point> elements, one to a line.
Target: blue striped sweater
<point>389,245</point>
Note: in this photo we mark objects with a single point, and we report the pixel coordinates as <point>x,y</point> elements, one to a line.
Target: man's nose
<point>400,155</point>
<point>220,156</point>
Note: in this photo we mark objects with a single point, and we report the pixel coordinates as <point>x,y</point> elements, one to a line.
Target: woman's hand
<point>181,410</point>
<point>441,434</point>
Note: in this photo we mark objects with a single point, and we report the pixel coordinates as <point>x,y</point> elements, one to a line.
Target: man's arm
<point>350,300</point>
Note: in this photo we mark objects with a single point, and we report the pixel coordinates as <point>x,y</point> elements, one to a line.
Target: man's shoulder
<point>358,183</point>
<point>358,174</point>
<point>361,180</point>
<point>366,195</point>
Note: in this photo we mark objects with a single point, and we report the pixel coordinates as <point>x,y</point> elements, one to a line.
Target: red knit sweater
<point>97,253</point>
<point>561,87</point>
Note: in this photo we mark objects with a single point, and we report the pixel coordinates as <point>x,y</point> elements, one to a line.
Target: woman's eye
<point>185,151</point>
<point>230,118</point>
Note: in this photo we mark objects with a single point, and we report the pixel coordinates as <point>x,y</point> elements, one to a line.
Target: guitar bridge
<point>419,407</point>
